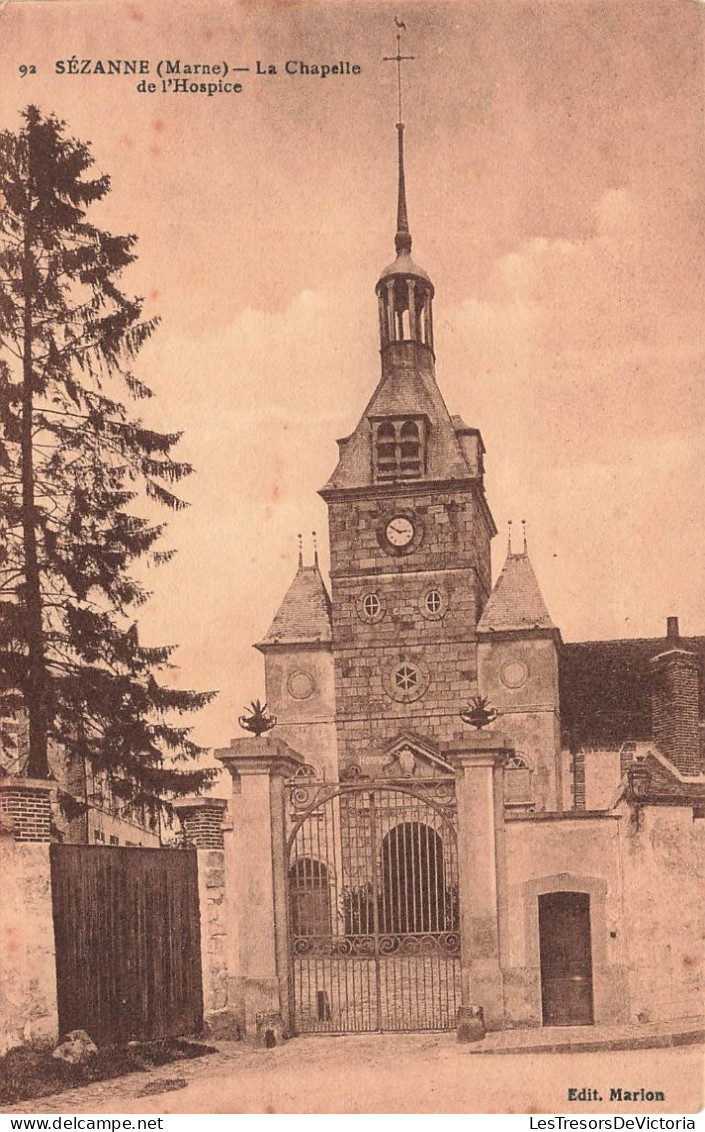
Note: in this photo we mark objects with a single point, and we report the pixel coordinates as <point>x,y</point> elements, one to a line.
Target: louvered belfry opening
<point>399,450</point>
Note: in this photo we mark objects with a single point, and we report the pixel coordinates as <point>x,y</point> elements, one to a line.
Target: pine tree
<point>75,471</point>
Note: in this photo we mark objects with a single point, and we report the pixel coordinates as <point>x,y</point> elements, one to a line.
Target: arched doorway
<point>566,959</point>
<point>414,898</point>
<point>309,889</point>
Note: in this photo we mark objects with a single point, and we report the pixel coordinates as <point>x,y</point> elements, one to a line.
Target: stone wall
<point>449,557</point>
<point>664,880</point>
<point>574,854</point>
<point>215,918</point>
<point>28,1008</point>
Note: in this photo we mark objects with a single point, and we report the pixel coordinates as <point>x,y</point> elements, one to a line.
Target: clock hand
<point>399,529</point>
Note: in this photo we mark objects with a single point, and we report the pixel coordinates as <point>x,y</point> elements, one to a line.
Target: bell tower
<point>410,532</point>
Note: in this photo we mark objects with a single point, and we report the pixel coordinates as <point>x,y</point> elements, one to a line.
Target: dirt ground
<point>394,1073</point>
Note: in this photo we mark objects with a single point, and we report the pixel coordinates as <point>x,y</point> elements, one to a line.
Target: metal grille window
<point>399,450</point>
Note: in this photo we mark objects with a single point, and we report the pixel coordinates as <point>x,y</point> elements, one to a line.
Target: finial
<point>301,552</point>
<point>523,524</point>
<point>315,549</point>
<point>402,240</point>
<point>509,538</point>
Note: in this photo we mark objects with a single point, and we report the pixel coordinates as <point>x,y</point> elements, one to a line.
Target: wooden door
<point>566,959</point>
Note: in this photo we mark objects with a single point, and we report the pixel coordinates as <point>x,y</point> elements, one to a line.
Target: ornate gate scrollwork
<point>373,905</point>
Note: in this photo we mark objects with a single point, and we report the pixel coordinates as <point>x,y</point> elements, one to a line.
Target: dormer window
<point>399,450</point>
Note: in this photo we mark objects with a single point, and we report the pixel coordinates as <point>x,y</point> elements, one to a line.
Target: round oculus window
<point>433,601</point>
<point>301,685</point>
<point>370,607</point>
<point>514,674</point>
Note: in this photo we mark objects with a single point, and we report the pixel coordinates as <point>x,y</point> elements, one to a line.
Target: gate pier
<point>259,767</point>
<point>482,871</point>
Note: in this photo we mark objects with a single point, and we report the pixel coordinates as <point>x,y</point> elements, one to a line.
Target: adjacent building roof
<point>304,615</point>
<point>667,785</point>
<point>516,602</point>
<point>605,689</point>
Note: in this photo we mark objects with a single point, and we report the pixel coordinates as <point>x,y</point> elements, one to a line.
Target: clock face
<point>400,531</point>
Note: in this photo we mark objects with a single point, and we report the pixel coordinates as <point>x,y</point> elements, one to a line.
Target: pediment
<point>404,757</point>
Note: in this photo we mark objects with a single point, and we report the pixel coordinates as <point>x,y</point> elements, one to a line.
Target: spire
<point>402,240</point>
<point>304,616</point>
<point>301,552</point>
<point>516,603</point>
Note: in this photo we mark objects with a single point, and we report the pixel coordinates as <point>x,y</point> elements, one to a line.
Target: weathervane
<point>398,58</point>
<point>402,240</point>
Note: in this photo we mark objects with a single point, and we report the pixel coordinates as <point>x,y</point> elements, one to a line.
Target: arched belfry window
<point>399,450</point>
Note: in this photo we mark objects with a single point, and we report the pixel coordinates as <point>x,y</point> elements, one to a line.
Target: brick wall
<point>674,709</point>
<point>26,810</point>
<point>202,821</point>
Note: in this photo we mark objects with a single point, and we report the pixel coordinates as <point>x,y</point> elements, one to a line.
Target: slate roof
<point>516,602</point>
<point>403,392</point>
<point>605,689</point>
<point>304,615</point>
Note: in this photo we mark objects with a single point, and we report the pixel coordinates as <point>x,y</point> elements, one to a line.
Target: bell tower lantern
<point>404,290</point>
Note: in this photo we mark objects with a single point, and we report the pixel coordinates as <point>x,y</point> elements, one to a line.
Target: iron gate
<point>373,906</point>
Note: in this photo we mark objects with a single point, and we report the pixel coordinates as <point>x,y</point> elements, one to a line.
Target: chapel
<point>584,861</point>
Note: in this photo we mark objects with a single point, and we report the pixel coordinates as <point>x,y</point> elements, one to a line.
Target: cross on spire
<point>398,59</point>
<point>402,239</point>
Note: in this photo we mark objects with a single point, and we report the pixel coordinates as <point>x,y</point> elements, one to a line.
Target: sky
<point>554,181</point>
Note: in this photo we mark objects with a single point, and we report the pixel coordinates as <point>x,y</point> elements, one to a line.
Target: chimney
<point>674,703</point>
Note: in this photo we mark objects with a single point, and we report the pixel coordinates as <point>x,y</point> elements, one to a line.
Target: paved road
<point>395,1073</point>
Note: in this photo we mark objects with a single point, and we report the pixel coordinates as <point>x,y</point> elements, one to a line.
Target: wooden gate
<point>128,947</point>
<point>373,906</point>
